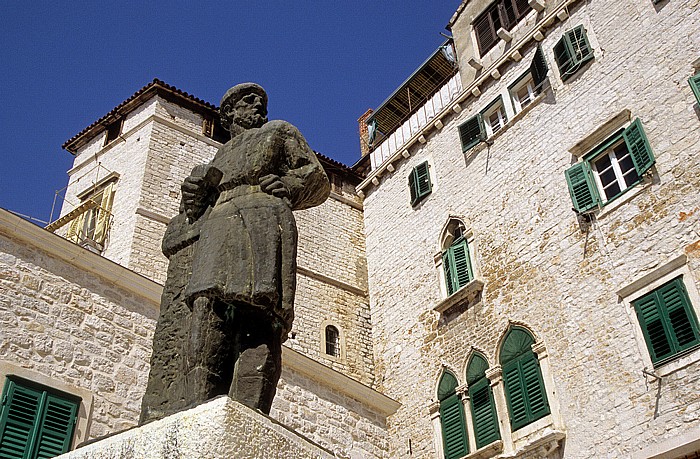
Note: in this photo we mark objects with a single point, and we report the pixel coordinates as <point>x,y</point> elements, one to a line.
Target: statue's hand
<point>271,184</point>
<point>194,196</point>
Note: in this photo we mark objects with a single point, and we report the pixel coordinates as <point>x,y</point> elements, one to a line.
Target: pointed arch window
<point>454,432</point>
<point>483,408</point>
<point>524,387</point>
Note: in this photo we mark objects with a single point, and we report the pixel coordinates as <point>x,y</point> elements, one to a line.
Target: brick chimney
<point>364,133</point>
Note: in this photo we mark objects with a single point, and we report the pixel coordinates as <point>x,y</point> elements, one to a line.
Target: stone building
<point>512,268</point>
<point>532,238</point>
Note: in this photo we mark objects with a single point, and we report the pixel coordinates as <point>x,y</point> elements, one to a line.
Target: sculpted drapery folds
<point>243,264</point>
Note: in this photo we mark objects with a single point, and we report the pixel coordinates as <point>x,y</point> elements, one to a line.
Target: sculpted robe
<point>247,249</point>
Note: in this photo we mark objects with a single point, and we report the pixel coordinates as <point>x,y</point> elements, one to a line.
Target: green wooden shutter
<point>457,266</point>
<point>56,431</point>
<point>563,57</point>
<point>534,387</point>
<point>694,82</point>
<point>639,148</point>
<point>538,67</point>
<point>447,266</point>
<point>453,427</point>
<point>483,413</point>
<point>419,182</point>
<point>472,131</point>
<point>654,327</point>
<point>681,318</point>
<point>584,193</point>
<point>515,394</point>
<point>572,51</point>
<point>20,413</point>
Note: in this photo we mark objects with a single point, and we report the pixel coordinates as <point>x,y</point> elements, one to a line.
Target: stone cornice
<point>16,228</point>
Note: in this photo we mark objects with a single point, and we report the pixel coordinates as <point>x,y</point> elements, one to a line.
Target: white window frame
<point>615,164</point>
<point>525,81</point>
<point>499,110</point>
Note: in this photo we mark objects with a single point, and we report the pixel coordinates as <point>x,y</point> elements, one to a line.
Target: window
<point>502,14</point>
<point>612,168</point>
<point>694,82</point>
<point>114,129</point>
<point>332,341</point>
<point>481,398</point>
<point>419,183</point>
<point>90,227</point>
<point>494,116</point>
<point>523,92</point>
<point>524,388</point>
<point>35,422</point>
<point>472,131</point>
<point>572,51</point>
<point>456,262</point>
<point>212,128</point>
<point>668,322</point>
<point>454,433</point>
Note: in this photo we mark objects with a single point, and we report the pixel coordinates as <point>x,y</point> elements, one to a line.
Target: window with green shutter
<point>35,422</point>
<point>668,321</point>
<point>454,432</point>
<point>524,387</point>
<point>419,183</point>
<point>694,82</point>
<point>572,51</point>
<point>484,416</point>
<point>457,265</point>
<point>610,169</point>
<point>472,131</point>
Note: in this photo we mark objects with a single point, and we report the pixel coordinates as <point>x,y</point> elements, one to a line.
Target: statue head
<point>244,106</point>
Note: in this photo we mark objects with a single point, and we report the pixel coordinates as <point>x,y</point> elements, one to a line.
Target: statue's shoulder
<point>281,127</point>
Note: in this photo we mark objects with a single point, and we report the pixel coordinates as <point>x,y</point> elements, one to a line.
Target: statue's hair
<point>243,89</point>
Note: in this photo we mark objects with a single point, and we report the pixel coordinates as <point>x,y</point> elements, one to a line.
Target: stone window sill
<point>542,441</point>
<point>487,451</point>
<point>466,294</point>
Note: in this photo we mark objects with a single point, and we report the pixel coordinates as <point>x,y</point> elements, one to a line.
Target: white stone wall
<point>77,329</point>
<point>540,269</point>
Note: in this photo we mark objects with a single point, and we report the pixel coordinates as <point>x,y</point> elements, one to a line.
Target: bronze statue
<point>243,276</point>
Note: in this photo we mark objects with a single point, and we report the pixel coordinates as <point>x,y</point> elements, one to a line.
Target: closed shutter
<point>35,424</point>
<point>449,277</point>
<point>515,394</point>
<point>580,48</point>
<point>654,327</point>
<point>104,213</point>
<point>419,182</point>
<point>56,430</point>
<point>453,427</point>
<point>471,132</point>
<point>485,31</point>
<point>638,146</point>
<point>462,264</point>
<point>534,387</point>
<point>75,228</point>
<point>20,412</point>
<point>584,193</point>
<point>680,315</point>
<point>484,413</point>
<point>538,68</point>
<point>694,82</point>
<point>523,7</point>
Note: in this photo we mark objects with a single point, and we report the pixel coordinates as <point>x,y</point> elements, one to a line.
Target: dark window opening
<point>332,341</point>
<point>501,14</point>
<point>113,131</point>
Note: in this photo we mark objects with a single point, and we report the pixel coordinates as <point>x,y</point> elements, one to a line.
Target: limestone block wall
<point>71,328</point>
<point>541,267</point>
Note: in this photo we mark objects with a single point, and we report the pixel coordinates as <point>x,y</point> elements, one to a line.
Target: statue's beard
<point>251,121</point>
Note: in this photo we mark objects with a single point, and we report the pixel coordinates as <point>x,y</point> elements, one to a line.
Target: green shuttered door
<point>484,413</point>
<point>453,428</point>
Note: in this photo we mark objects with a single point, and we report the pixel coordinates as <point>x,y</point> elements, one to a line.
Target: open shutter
<point>515,394</point>
<point>563,57</point>
<point>534,387</point>
<point>579,46</point>
<point>538,67</point>
<point>654,327</point>
<point>694,82</point>
<point>449,278</point>
<point>75,228</point>
<point>462,264</point>
<point>472,131</point>
<point>584,193</point>
<point>18,421</point>
<point>412,186</point>
<point>638,145</point>
<point>485,32</point>
<point>56,432</point>
<point>484,413</point>
<point>103,214</point>
<point>681,318</point>
<point>453,427</point>
<point>419,182</point>
<point>523,7</point>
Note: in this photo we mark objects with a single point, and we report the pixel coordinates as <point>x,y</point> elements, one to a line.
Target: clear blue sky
<point>323,63</point>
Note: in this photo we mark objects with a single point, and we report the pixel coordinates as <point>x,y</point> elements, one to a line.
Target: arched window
<point>484,416</point>
<point>456,262</point>
<point>332,341</point>
<point>525,392</point>
<point>454,433</point>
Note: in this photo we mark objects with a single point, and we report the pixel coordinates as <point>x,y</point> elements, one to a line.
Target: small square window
<point>523,92</point>
<point>572,51</point>
<point>114,130</point>
<point>609,170</point>
<point>494,116</point>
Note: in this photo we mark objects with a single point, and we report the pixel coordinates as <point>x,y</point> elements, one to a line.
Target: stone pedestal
<point>221,428</point>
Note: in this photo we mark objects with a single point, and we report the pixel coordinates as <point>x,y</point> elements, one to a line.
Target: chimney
<point>364,133</point>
